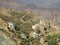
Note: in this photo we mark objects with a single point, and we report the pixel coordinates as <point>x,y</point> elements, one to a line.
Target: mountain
<point>28,5</point>
<point>17,4</point>
<point>22,20</point>
<point>40,3</point>
<point>29,22</point>
<point>27,28</point>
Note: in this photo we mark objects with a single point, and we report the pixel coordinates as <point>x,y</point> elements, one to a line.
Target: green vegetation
<point>5,18</point>
<point>17,14</point>
<point>53,39</point>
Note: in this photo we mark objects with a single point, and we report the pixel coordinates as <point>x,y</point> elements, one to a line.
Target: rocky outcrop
<point>5,40</point>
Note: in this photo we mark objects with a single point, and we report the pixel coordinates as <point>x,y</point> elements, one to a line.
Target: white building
<point>11,25</point>
<point>35,27</point>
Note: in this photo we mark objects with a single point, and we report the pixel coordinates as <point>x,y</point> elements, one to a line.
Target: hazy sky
<point>40,3</point>
<point>43,3</point>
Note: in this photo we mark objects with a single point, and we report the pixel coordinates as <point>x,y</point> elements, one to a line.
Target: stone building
<point>11,26</point>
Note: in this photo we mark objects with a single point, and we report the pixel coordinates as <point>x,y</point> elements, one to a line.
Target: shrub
<point>52,39</point>
<point>17,27</point>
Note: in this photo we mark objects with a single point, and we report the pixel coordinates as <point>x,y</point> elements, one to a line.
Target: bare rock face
<point>4,40</point>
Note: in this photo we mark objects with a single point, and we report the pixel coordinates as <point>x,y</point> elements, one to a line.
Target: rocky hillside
<point>48,13</point>
<point>22,20</point>
<point>27,28</point>
<point>4,40</point>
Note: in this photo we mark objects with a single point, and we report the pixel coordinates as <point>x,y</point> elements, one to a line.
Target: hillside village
<point>27,28</point>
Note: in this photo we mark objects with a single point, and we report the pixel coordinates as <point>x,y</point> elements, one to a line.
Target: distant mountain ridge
<point>45,12</point>
<point>17,4</point>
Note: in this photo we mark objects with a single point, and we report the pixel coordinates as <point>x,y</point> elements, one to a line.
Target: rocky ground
<point>27,28</point>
